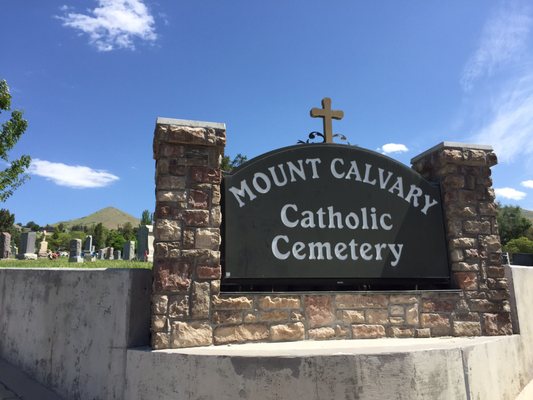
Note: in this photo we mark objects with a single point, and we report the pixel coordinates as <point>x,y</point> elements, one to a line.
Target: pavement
<point>16,385</point>
<point>6,394</point>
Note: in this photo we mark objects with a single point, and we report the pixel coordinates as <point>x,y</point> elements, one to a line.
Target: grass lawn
<point>63,263</point>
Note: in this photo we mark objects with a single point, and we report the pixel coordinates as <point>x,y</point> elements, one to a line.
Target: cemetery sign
<point>331,212</point>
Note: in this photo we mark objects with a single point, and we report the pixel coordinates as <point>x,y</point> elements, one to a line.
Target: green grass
<point>63,263</point>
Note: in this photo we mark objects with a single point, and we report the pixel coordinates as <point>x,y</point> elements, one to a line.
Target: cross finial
<point>327,114</point>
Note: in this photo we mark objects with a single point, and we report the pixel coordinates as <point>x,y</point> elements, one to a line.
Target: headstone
<point>14,250</point>
<point>129,250</point>
<point>75,251</point>
<point>117,255</point>
<point>506,259</point>
<point>27,246</point>
<point>145,239</point>
<point>88,245</point>
<point>101,253</point>
<point>109,253</point>
<point>5,245</point>
<point>43,247</point>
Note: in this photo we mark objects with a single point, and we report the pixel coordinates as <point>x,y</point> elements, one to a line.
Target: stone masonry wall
<point>474,247</point>
<point>189,310</point>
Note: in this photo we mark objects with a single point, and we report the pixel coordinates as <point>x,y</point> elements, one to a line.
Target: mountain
<point>110,217</point>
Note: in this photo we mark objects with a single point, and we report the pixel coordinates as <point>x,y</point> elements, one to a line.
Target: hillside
<point>528,214</point>
<point>110,217</point>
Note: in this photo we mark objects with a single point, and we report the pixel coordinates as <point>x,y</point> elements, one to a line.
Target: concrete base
<point>27,256</point>
<point>75,259</point>
<point>439,368</point>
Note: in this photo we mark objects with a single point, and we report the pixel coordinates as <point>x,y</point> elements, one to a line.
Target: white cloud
<point>393,148</point>
<point>528,184</point>
<point>73,176</point>
<point>114,24</point>
<point>510,127</point>
<point>509,193</point>
<point>503,40</point>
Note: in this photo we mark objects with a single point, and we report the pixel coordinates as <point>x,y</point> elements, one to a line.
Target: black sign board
<point>331,212</point>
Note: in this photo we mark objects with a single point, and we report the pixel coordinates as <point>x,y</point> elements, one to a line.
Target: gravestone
<point>43,247</point>
<point>145,239</point>
<point>75,251</point>
<point>27,246</point>
<point>102,253</point>
<point>117,255</point>
<point>109,253</point>
<point>88,245</point>
<point>14,250</point>
<point>5,245</point>
<point>129,250</point>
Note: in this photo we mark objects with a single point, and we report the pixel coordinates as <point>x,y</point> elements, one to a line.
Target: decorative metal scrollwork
<point>313,135</point>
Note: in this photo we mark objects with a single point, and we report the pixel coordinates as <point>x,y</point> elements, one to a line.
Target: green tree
<point>147,218</point>
<point>115,239</point>
<point>127,231</point>
<point>33,226</point>
<point>6,220</point>
<point>519,245</point>
<point>12,129</point>
<point>511,223</point>
<point>227,164</point>
<point>100,236</point>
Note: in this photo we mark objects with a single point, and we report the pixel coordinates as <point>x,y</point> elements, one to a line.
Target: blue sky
<point>92,77</point>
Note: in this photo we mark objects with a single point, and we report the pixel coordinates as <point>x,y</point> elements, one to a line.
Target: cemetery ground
<point>64,263</point>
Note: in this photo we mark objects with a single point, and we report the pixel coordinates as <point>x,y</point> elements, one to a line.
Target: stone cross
<point>327,114</point>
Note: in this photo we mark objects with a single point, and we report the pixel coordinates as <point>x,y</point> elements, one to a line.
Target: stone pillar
<point>463,172</point>
<point>187,231</point>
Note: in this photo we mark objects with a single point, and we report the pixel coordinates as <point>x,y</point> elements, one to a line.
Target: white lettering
<point>313,162</point>
<point>266,181</point>
<point>339,250</point>
<point>353,171</point>
<point>284,218</point>
<point>368,167</point>
<point>244,190</point>
<point>293,169</point>
<point>396,254</point>
<point>275,176</point>
<point>333,170</point>
<point>415,192</point>
<point>428,204</point>
<point>275,250</point>
<point>320,247</point>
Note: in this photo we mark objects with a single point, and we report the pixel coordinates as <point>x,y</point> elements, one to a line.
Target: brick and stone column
<point>187,231</point>
<point>474,247</point>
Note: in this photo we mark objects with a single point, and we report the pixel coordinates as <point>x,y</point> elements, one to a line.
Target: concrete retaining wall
<point>69,329</point>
